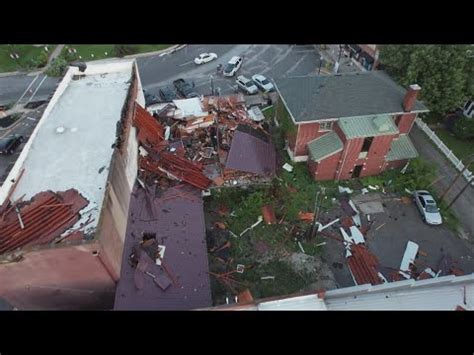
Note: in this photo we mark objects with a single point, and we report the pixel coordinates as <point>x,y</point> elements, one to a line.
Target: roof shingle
<point>368,126</point>
<point>401,148</point>
<point>312,98</point>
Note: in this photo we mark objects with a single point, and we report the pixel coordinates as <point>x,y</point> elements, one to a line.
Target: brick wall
<point>405,122</point>
<point>306,133</point>
<point>326,168</point>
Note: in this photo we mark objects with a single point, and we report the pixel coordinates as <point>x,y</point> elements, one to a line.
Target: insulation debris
<point>288,167</point>
<point>345,190</point>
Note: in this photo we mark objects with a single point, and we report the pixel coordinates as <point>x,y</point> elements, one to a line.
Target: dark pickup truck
<point>184,88</point>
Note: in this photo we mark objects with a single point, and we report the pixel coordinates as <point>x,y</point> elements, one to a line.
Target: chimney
<point>410,97</point>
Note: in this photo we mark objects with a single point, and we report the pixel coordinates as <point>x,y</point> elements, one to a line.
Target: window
<point>325,126</point>
<point>367,144</point>
<point>422,201</point>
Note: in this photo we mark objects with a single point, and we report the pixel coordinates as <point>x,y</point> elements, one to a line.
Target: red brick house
<point>348,125</point>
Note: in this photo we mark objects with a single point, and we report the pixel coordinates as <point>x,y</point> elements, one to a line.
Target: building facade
<point>348,125</point>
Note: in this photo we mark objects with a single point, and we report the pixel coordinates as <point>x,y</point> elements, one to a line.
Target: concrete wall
<point>65,277</point>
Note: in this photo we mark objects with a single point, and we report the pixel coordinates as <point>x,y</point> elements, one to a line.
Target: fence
<point>446,151</point>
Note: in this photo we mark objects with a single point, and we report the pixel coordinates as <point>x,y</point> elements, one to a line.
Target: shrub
<point>464,128</point>
<point>57,67</point>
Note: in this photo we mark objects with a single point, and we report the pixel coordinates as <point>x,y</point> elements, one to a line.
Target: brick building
<point>64,205</point>
<point>348,125</point>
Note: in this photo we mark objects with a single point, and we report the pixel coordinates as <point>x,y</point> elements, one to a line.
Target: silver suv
<point>246,85</point>
<point>233,65</point>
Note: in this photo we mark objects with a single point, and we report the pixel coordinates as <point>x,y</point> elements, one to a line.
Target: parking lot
<point>387,239</point>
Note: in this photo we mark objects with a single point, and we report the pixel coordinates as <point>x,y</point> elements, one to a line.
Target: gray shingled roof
<point>368,126</point>
<point>342,95</point>
<point>324,146</point>
<point>401,148</point>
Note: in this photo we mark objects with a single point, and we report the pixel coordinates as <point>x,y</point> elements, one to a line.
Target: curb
<point>12,73</point>
<point>168,50</point>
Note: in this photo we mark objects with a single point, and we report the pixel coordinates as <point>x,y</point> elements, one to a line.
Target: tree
<point>444,72</point>
<point>464,128</point>
<point>57,68</point>
<point>121,50</point>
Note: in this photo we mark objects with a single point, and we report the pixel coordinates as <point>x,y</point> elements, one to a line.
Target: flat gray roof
<point>74,138</point>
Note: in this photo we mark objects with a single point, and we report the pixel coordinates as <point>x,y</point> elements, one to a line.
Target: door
<point>357,170</point>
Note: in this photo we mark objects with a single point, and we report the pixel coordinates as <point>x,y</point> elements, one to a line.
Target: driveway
<point>400,223</point>
<point>463,207</point>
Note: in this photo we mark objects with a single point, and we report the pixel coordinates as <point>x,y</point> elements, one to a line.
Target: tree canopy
<point>444,72</point>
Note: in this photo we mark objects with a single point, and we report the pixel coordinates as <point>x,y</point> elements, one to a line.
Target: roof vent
<point>60,130</point>
<point>381,124</point>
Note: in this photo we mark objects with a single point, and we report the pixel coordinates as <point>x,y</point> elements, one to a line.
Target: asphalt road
<point>27,87</point>
<point>24,127</point>
<point>159,70</point>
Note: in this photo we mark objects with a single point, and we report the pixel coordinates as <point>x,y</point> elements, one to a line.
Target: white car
<point>246,85</point>
<point>262,82</point>
<point>427,206</point>
<point>233,65</point>
<point>205,58</point>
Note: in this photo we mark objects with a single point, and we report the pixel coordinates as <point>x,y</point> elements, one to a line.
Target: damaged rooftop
<point>72,146</point>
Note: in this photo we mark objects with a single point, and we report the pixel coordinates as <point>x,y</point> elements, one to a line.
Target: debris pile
<point>215,144</point>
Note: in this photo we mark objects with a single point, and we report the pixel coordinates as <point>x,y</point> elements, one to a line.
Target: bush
<point>123,50</point>
<point>57,67</point>
<point>464,128</point>
<point>42,59</point>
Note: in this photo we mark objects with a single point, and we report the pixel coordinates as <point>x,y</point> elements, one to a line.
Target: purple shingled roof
<point>251,154</point>
<point>178,221</point>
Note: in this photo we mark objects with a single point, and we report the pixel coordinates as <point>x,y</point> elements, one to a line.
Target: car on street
<point>234,64</point>
<point>167,94</point>
<point>263,83</point>
<point>9,144</point>
<point>205,58</point>
<point>427,207</point>
<point>246,85</point>
<point>184,88</point>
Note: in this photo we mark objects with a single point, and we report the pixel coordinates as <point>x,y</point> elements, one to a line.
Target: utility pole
<point>460,192</point>
<point>457,177</point>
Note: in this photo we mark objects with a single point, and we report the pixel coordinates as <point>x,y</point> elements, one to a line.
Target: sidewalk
<point>463,205</point>
<point>331,54</point>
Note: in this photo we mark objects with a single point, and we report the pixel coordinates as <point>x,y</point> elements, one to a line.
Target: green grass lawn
<point>461,148</point>
<point>89,52</point>
<point>26,52</point>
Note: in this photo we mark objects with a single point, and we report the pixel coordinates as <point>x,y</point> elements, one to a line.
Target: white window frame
<point>323,128</point>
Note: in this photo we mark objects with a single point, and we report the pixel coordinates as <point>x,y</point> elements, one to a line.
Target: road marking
<point>28,88</point>
<point>41,83</point>
<point>31,118</point>
<point>192,61</point>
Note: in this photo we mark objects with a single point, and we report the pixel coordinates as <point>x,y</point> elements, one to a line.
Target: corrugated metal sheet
<point>303,303</point>
<point>251,154</point>
<point>324,146</point>
<point>367,126</point>
<point>402,148</point>
<point>442,293</point>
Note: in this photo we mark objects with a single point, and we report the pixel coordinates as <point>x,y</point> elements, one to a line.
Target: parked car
<point>263,83</point>
<point>427,207</point>
<point>167,94</point>
<point>184,88</point>
<point>246,85</point>
<point>234,64</point>
<point>205,58</point>
<point>9,144</point>
<point>151,99</point>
